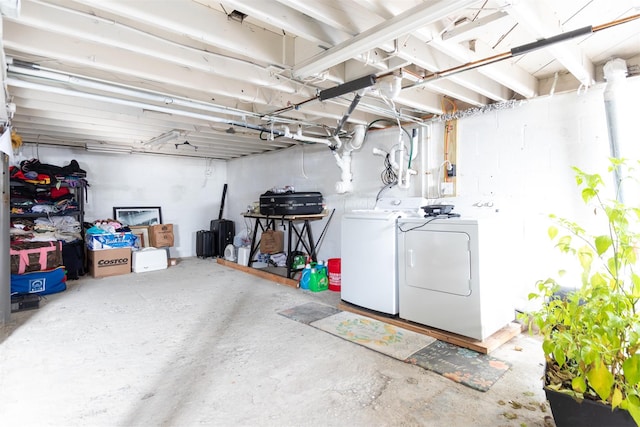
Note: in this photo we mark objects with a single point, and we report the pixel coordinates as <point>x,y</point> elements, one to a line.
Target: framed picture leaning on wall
<point>132,216</point>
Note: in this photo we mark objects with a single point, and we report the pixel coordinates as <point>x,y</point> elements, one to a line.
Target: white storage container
<point>149,259</point>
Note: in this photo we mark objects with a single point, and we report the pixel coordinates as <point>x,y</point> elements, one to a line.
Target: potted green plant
<point>591,333</point>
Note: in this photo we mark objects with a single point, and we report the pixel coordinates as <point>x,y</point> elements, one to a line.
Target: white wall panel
<point>188,195</point>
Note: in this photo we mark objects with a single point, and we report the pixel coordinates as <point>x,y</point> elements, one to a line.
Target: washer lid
<point>372,214</point>
<point>406,204</point>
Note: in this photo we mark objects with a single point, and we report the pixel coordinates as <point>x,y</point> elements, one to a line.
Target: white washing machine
<point>368,260</point>
<point>369,273</point>
<point>450,275</point>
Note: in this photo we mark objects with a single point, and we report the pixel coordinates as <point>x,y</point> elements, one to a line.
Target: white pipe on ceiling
<point>36,71</point>
<point>12,81</point>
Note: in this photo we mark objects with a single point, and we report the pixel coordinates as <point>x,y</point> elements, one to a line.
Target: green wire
<point>405,131</point>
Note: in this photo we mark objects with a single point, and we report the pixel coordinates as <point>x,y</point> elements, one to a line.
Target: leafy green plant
<point>591,336</point>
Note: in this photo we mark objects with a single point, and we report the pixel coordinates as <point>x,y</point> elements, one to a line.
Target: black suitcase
<point>291,203</point>
<point>204,244</point>
<point>223,233</point>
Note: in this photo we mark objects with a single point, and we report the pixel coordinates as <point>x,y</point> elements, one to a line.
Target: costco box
<point>272,242</point>
<point>109,262</point>
<point>149,259</point>
<point>161,235</point>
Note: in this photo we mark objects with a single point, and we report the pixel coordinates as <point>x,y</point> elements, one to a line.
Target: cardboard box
<point>109,262</point>
<point>149,259</point>
<point>271,242</point>
<point>161,235</point>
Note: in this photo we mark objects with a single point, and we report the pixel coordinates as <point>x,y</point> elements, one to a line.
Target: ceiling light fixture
<point>162,139</point>
<point>103,148</point>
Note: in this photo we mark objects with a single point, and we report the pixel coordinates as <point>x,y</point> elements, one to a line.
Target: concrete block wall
<point>517,160</point>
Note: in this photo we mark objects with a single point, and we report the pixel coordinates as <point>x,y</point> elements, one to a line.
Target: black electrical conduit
<point>346,115</point>
<point>521,50</point>
<point>370,80</point>
<point>323,95</point>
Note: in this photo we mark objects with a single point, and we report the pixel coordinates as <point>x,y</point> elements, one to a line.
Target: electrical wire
<point>413,135</point>
<point>388,175</point>
<point>423,224</point>
<point>273,135</point>
<point>439,172</point>
<point>370,125</point>
<point>324,230</point>
<point>385,188</point>
<point>447,130</point>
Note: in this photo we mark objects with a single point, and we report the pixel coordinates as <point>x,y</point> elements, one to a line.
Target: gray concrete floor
<point>203,344</point>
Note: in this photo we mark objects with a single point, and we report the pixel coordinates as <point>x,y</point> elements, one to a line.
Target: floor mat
<point>391,340</point>
<point>309,312</point>
<point>476,370</point>
<point>461,365</point>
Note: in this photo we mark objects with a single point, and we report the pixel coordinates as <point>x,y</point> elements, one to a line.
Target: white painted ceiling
<point>229,77</point>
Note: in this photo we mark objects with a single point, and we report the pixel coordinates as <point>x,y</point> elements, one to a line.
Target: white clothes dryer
<point>450,275</point>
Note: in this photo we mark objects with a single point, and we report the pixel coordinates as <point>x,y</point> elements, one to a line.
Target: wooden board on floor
<point>262,274</point>
<point>487,346</point>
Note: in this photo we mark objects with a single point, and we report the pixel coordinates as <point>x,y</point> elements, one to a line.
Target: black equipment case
<point>291,203</point>
<point>223,229</point>
<point>204,244</point>
<point>223,234</point>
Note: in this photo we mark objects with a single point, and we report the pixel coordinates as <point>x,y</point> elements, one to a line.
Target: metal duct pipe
<point>17,67</point>
<point>615,72</point>
<point>12,81</point>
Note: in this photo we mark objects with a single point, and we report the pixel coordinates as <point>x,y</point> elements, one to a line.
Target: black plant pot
<point>568,412</point>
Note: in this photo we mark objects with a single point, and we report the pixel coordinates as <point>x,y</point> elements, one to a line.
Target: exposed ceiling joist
<point>109,75</point>
<point>393,28</point>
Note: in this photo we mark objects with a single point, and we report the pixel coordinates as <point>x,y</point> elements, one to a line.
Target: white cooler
<point>149,259</point>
